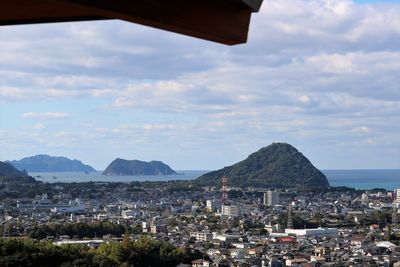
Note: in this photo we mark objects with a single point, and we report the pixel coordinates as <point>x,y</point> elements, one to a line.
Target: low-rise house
<point>299,262</point>
<point>201,263</point>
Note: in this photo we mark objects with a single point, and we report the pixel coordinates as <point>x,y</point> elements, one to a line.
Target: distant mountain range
<point>137,167</point>
<point>278,165</point>
<point>46,163</point>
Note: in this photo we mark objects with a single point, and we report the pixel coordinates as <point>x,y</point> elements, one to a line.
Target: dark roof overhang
<point>222,21</point>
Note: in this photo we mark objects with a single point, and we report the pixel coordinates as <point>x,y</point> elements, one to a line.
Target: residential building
<point>397,196</point>
<point>271,198</point>
<point>212,205</point>
<point>230,210</point>
<point>317,232</point>
<point>202,236</point>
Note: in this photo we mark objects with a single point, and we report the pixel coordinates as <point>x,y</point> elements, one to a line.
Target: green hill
<point>8,173</point>
<point>6,169</point>
<point>278,165</point>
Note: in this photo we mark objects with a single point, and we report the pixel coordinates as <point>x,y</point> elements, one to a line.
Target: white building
<point>145,227</point>
<point>42,203</point>
<point>321,232</point>
<point>364,197</point>
<point>230,210</point>
<point>202,236</point>
<point>273,228</point>
<point>128,214</point>
<point>226,238</point>
<point>271,198</point>
<point>296,262</point>
<point>212,205</point>
<point>68,208</point>
<point>397,199</point>
<point>90,243</point>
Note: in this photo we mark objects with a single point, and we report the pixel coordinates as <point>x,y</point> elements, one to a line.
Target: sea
<point>360,179</point>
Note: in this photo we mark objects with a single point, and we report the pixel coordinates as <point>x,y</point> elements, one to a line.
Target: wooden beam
<point>15,12</point>
<point>220,21</point>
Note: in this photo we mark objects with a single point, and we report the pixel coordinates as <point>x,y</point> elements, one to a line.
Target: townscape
<point>95,95</point>
<point>228,226</point>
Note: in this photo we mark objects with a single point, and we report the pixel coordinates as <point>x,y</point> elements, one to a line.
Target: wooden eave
<point>222,21</point>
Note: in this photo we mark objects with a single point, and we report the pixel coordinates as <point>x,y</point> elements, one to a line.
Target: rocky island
<point>137,167</point>
<point>46,163</point>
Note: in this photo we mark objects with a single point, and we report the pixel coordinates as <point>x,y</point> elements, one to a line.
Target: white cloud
<point>361,129</point>
<point>159,126</point>
<point>39,126</point>
<point>45,115</point>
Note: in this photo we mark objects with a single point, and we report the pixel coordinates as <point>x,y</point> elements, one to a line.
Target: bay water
<point>360,179</point>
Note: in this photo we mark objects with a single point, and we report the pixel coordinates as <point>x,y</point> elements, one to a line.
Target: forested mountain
<point>278,165</point>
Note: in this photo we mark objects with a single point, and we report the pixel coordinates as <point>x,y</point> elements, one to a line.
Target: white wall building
<point>226,238</point>
<point>273,228</point>
<point>322,232</point>
<point>397,199</point>
<point>202,236</point>
<point>230,210</point>
<point>271,198</point>
<point>42,203</point>
<point>128,214</point>
<point>212,205</point>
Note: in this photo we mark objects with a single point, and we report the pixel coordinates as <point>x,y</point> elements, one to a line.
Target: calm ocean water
<point>69,177</point>
<point>364,179</point>
<point>360,179</point>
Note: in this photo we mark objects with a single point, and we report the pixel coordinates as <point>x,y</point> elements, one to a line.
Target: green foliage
<point>19,252</point>
<point>377,217</point>
<point>80,230</point>
<point>278,165</point>
<point>233,194</point>
<point>298,222</point>
<point>142,253</point>
<point>10,175</point>
<point>137,167</point>
<point>6,169</point>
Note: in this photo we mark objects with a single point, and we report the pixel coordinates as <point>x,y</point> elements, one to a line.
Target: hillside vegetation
<point>137,167</point>
<point>278,165</point>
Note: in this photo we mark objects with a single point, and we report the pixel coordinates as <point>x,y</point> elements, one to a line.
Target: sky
<point>322,75</point>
